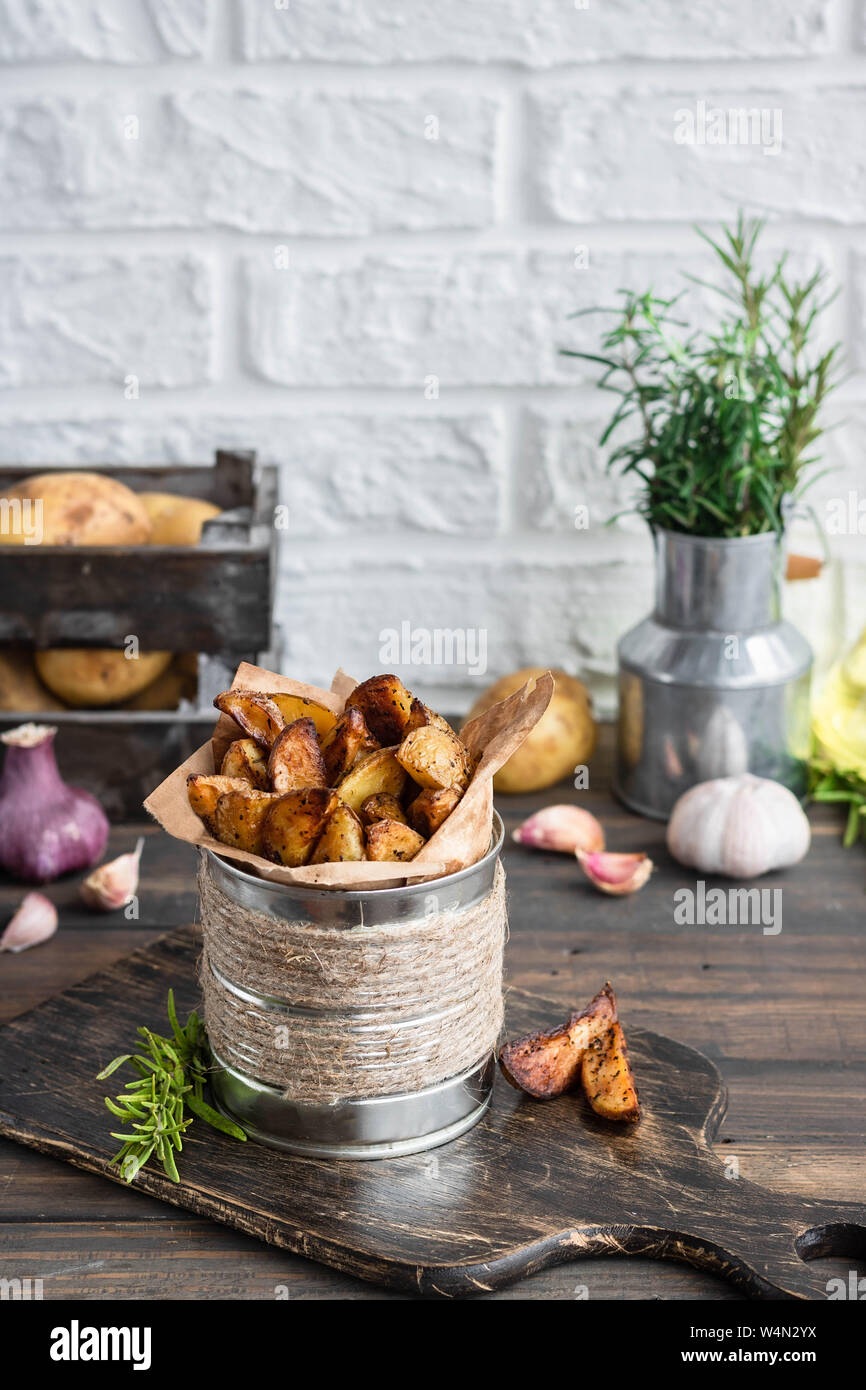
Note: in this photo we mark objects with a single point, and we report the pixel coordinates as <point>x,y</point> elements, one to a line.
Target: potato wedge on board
<point>435,758</point>
<point>383,806</point>
<point>348,740</point>
<point>257,715</point>
<point>431,807</point>
<point>386,705</point>
<point>607,1077</point>
<point>547,1064</point>
<point>342,838</point>
<point>375,773</point>
<point>421,715</point>
<point>294,823</point>
<point>295,759</point>
<point>294,707</point>
<point>239,816</point>
<point>205,790</point>
<point>246,760</point>
<point>392,839</point>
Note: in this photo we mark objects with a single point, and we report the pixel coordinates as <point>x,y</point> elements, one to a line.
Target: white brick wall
<point>348,233</point>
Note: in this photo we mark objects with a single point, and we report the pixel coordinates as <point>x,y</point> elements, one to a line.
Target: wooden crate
<point>214,599</point>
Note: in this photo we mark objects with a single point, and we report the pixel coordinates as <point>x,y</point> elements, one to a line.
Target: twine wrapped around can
<point>328,1012</point>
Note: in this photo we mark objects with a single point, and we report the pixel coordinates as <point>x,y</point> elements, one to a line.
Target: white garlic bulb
<point>739,826</point>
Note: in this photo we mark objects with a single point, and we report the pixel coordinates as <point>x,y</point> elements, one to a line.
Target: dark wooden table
<point>784,1018</point>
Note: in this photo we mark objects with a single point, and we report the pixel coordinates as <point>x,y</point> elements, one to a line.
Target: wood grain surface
<point>781,1016</point>
<point>532,1185</point>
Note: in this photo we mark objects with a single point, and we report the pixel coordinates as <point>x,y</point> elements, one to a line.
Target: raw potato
<point>20,688</point>
<point>377,772</point>
<point>294,823</point>
<point>205,791</point>
<point>346,742</point>
<point>88,677</point>
<point>80,509</point>
<point>435,758</point>
<point>386,705</point>
<point>608,1079</point>
<point>294,707</point>
<point>432,807</point>
<point>245,760</point>
<point>383,806</point>
<point>392,839</point>
<point>547,1064</point>
<point>239,817</point>
<point>176,520</point>
<point>256,714</point>
<point>175,684</point>
<point>296,759</point>
<point>342,838</point>
<point>563,738</point>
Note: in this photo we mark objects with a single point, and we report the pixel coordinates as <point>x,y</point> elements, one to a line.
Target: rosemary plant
<point>171,1074</point>
<point>726,420</point>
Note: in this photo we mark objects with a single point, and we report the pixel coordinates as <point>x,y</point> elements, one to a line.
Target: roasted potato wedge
<point>345,743</point>
<point>420,715</point>
<point>257,715</point>
<point>239,816</point>
<point>431,807</point>
<point>382,806</point>
<point>295,759</point>
<point>375,773</point>
<point>435,758</point>
<point>386,705</point>
<point>546,1064</point>
<point>204,791</point>
<point>392,839</point>
<point>342,838</point>
<point>294,823</point>
<point>246,760</point>
<point>607,1077</point>
<point>294,707</point>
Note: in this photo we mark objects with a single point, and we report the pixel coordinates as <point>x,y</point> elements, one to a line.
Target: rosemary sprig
<point>171,1075</point>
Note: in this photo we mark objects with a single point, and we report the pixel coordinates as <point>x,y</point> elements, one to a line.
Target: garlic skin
<point>740,827</point>
<point>114,884</point>
<point>46,827</point>
<point>563,828</point>
<point>616,873</point>
<point>34,921</point>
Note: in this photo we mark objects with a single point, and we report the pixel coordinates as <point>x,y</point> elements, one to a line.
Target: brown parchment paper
<point>463,839</point>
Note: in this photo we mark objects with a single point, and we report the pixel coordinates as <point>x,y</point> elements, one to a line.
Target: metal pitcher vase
<point>713,682</point>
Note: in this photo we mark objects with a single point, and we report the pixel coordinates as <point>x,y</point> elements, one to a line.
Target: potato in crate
<point>130,595</point>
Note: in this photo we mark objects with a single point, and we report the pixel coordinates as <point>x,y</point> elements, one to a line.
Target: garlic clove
<point>563,828</point>
<point>34,922</point>
<point>616,873</point>
<point>114,884</point>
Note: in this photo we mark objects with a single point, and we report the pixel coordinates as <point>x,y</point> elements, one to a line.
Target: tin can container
<point>386,1125</point>
<point>714,682</point>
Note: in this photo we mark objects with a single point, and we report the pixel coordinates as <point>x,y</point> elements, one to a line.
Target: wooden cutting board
<point>534,1184</point>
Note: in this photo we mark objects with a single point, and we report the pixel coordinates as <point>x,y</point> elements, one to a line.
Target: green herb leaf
<point>725,419</point>
<point>214,1118</point>
<point>171,1075</point>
